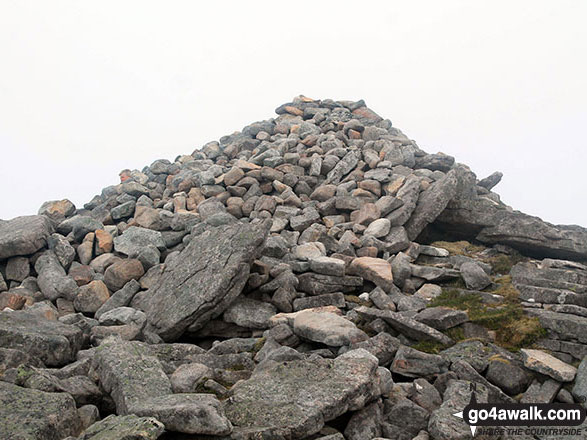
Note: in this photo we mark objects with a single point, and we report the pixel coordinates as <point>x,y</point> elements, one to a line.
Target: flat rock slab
<point>130,373</point>
<point>294,399</point>
<point>136,238</point>
<point>406,326</point>
<point>317,284</point>
<point>188,413</point>
<point>442,318</point>
<point>327,328</point>
<point>204,279</point>
<point>544,363</point>
<point>30,414</point>
<point>24,235</point>
<point>376,270</point>
<point>53,342</point>
<point>124,428</point>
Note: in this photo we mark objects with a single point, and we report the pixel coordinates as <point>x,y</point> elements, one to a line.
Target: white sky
<point>89,88</point>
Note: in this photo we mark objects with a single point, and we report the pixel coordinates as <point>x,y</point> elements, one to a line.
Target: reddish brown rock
<point>376,270</point>
<point>120,273</point>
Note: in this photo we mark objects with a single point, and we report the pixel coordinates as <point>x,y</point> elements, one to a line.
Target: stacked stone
<point>270,283</point>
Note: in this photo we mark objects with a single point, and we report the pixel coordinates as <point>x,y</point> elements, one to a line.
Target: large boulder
<point>124,428</point>
<point>52,342</point>
<point>24,235</point>
<point>204,279</point>
<point>294,399</point>
<point>36,415</point>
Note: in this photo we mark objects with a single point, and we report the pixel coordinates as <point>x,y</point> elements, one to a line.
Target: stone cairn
<point>313,276</point>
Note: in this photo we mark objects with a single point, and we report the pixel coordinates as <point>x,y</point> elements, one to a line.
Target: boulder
<point>127,427</point>
<point>544,363</point>
<point>326,328</point>
<point>24,235</point>
<point>207,276</point>
<point>376,270</point>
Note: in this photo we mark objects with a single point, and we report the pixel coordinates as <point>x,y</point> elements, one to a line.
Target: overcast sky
<point>89,88</point>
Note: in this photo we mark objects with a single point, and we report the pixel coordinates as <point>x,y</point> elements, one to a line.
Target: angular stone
<point>57,210</point>
<point>414,363</point>
<point>189,413</point>
<point>91,297</point>
<point>17,268</point>
<point>120,298</point>
<point>52,342</point>
<point>207,276</point>
<point>294,399</point>
<point>442,318</point>
<point>249,313</point>
<point>544,363</point>
<point>327,266</point>
<point>328,299</point>
<point>406,326</point>
<point>509,377</point>
<point>127,427</point>
<point>326,328</point>
<point>378,228</point>
<point>316,284</point>
<point>343,167</point>
<point>36,415</point>
<point>187,376</point>
<point>580,386</point>
<point>134,239</point>
<point>376,270</point>
<point>544,392</point>
<point>474,276</point>
<point>23,235</point>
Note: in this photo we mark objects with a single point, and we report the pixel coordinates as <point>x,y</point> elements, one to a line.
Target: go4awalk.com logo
<point>523,418</point>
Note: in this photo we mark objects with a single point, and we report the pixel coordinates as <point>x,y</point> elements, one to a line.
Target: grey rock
<point>343,167</point>
<point>52,342</point>
<point>414,363</point>
<point>62,249</point>
<point>544,363</point>
<point>208,275</point>
<point>474,276</point>
<point>442,318</point>
<point>318,390</point>
<point>17,268</point>
<point>125,210</point>
<point>122,316</point>
<point>130,427</point>
<point>544,392</point>
<point>406,419</point>
<point>383,346</point>
<point>186,378</point>
<point>509,377</point>
<point>316,284</point>
<point>36,415</point>
<point>490,181</point>
<point>405,325</point>
<point>120,298</point>
<point>80,225</point>
<point>431,203</point>
<point>326,328</point>
<point>23,235</point>
<point>91,297</point>
<point>135,238</point>
<point>401,269</point>
<point>365,423</point>
<point>327,266</point>
<point>249,313</point>
<point>580,386</point>
<point>465,371</point>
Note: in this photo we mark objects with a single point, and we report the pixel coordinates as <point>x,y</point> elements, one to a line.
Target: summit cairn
<point>316,275</point>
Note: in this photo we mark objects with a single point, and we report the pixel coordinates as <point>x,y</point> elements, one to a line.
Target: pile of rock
<point>277,284</point>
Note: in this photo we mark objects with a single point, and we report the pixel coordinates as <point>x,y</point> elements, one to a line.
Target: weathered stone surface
<point>91,297</point>
<point>376,270</point>
<point>544,363</point>
<point>580,386</point>
<point>121,272</point>
<point>294,399</point>
<point>36,415</point>
<point>209,274</point>
<point>316,284</point>
<point>327,266</point>
<point>130,427</point>
<point>249,313</point>
<point>23,235</point>
<point>52,342</point>
<point>509,377</point>
<point>414,363</point>
<point>474,276</point>
<point>52,280</point>
<point>17,268</point>
<point>135,238</point>
<point>189,413</point>
<point>406,326</point>
<point>442,318</point>
<point>327,328</point>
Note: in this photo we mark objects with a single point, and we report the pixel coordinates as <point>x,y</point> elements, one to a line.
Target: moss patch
<point>514,330</point>
<point>357,300</point>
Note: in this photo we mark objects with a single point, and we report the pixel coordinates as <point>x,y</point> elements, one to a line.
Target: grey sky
<point>90,88</point>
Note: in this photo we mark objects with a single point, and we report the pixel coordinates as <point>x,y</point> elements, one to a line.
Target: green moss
<point>258,345</point>
<point>357,300</point>
<point>431,347</point>
<point>503,263</point>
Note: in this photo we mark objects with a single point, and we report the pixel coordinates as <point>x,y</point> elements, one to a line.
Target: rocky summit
<point>313,276</point>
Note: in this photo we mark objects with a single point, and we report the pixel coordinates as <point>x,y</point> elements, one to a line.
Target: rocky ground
<point>313,276</point>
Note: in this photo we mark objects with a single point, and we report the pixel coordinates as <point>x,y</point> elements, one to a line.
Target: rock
<point>123,316</point>
<point>327,266</point>
<point>383,346</point>
<point>134,239</point>
<point>127,427</point>
<point>249,313</point>
<point>490,181</point>
<point>376,270</point>
<point>91,297</point>
<point>442,318</point>
<point>305,220</point>
<point>431,203</point>
<point>120,298</point>
<point>406,419</point>
<point>121,272</point>
<point>365,423</point>
<point>509,377</point>
<point>316,284</point>
<point>580,386</point>
<point>378,228</point>
<point>23,235</point>
<point>326,328</point>
<point>413,363</point>
<point>544,363</point>
<point>32,414</point>
<point>52,342</point>
<point>306,251</point>
<point>328,299</point>
<point>189,413</point>
<point>443,424</point>
<point>17,268</point>
<point>80,226</point>
<point>474,352</point>
<point>474,276</point>
<point>208,275</point>
<point>406,326</point>
<point>318,390</point>
<point>57,210</point>
<point>188,376</point>
<point>544,392</point>
<point>465,371</point>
